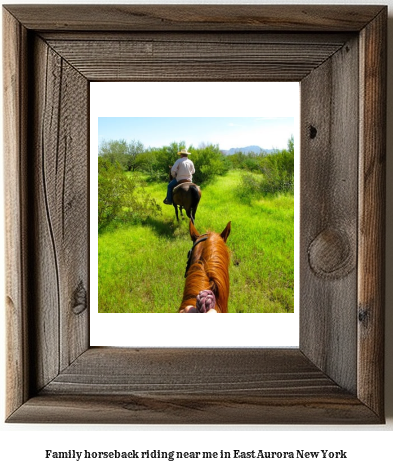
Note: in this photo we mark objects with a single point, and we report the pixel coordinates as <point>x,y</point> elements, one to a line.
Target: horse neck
<point>210,271</point>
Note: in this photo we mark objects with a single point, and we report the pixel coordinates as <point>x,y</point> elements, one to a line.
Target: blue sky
<point>227,132</point>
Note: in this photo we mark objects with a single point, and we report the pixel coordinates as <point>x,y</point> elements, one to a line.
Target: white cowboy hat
<point>183,152</point>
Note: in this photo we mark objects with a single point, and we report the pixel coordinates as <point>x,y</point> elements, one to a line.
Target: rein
<point>189,255</point>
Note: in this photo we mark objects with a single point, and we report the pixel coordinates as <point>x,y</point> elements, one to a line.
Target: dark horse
<point>187,196</point>
<point>207,268</point>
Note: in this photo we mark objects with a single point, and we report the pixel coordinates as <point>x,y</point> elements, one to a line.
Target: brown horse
<point>207,268</point>
<point>186,196</point>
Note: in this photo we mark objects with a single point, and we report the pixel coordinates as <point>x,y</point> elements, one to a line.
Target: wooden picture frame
<point>338,54</point>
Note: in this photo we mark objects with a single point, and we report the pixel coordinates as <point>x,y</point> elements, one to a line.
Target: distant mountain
<point>246,149</point>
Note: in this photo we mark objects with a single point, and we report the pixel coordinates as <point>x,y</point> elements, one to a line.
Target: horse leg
<point>181,211</point>
<point>177,214</point>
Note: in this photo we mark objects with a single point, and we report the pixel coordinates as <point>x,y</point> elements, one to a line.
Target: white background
<point>22,447</point>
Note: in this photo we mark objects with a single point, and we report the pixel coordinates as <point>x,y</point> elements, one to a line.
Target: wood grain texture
<point>52,374</point>
<point>60,217</point>
<point>195,17</point>
<point>194,409</point>
<point>329,173</point>
<point>46,212</point>
<point>194,386</point>
<point>201,37</point>
<point>185,59</point>
<point>208,371</point>
<point>14,74</point>
<point>372,189</point>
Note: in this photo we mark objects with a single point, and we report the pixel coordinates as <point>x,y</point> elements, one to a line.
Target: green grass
<point>141,266</point>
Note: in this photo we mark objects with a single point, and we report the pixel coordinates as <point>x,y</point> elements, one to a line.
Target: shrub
<point>276,173</point>
<point>277,169</point>
<point>209,162</point>
<point>162,159</point>
<point>121,196</point>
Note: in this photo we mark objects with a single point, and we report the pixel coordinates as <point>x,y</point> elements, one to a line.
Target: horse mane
<point>209,272</point>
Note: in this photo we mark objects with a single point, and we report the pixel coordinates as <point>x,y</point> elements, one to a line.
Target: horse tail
<point>195,197</point>
<point>191,214</point>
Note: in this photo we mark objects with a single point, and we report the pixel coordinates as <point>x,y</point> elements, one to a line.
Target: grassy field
<point>141,266</point>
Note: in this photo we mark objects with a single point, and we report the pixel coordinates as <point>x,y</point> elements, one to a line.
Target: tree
<point>113,150</point>
<point>291,145</point>
<point>165,157</point>
<point>128,155</point>
<point>134,152</point>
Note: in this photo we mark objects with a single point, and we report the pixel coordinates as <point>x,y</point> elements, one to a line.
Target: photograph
<point>165,182</point>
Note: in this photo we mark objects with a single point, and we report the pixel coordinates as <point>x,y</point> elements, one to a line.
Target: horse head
<point>207,267</point>
<point>194,234</point>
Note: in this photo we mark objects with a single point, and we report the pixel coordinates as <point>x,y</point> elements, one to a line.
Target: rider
<point>182,172</point>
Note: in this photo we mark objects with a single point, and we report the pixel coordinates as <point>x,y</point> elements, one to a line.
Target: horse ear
<point>193,232</point>
<point>225,233</point>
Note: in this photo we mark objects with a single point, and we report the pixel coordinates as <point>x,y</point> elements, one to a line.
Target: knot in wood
<point>331,254</point>
<point>313,132</point>
<point>364,316</point>
<point>80,299</point>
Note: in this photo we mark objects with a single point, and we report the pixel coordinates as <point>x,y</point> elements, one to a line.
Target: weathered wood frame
<point>338,54</point>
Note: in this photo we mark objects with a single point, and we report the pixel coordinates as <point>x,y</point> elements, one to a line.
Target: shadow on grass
<point>163,227</point>
<point>168,228</point>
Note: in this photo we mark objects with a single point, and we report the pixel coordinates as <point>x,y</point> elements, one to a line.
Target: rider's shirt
<point>183,169</point>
